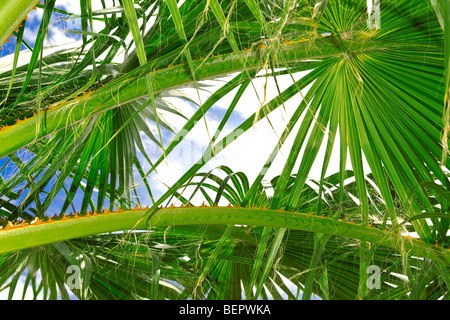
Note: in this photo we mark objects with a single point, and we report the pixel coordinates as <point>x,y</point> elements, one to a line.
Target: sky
<point>247,154</point>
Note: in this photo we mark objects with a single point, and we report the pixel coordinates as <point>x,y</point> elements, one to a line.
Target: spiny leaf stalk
<point>64,227</point>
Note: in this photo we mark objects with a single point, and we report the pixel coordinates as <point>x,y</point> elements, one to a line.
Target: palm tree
<point>78,199</point>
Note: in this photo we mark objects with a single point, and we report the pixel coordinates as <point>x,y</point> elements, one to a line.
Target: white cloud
<point>60,25</point>
<point>252,149</point>
<point>34,18</point>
